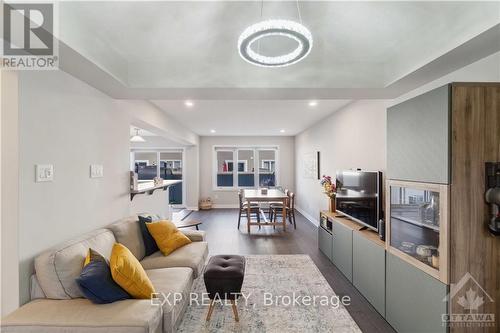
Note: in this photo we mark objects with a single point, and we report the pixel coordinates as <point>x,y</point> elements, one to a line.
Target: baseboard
<point>225,206</point>
<point>307,216</point>
<point>195,209</point>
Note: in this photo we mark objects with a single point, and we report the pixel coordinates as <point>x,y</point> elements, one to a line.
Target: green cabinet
<point>418,138</point>
<point>325,242</point>
<point>368,270</point>
<point>342,249</point>
<point>414,299</point>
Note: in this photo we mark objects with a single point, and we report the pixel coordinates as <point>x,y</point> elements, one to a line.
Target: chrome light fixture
<point>137,137</point>
<point>284,28</point>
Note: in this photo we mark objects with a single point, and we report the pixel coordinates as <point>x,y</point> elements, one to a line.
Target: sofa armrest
<point>195,235</point>
<point>80,315</point>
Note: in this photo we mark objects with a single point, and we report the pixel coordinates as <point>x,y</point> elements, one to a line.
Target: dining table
<point>271,195</point>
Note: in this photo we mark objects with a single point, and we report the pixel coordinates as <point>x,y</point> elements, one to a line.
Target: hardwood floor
<point>224,238</point>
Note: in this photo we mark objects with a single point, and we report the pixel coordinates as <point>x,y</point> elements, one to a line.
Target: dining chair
<point>254,209</point>
<point>277,210</point>
<point>276,204</point>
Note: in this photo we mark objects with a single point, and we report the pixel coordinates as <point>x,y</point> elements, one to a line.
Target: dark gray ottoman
<point>223,278</point>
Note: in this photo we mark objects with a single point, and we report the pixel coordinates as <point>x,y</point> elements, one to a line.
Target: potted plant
<point>330,190</point>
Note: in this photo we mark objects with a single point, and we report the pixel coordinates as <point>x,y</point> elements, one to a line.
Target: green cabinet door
<point>325,242</point>
<point>342,249</point>
<point>418,138</point>
<point>414,299</point>
<point>368,270</point>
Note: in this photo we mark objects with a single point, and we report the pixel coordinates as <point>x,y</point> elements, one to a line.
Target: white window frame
<point>234,149</point>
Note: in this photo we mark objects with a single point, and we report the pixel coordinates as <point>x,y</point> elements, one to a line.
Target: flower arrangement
<point>329,187</point>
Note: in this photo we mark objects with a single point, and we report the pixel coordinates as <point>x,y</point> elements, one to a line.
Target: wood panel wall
<point>475,116</point>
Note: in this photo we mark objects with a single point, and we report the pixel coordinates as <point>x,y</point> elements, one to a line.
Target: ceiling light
<point>282,131</point>
<point>212,131</point>
<point>313,103</point>
<point>282,28</point>
<point>137,137</point>
<point>188,104</point>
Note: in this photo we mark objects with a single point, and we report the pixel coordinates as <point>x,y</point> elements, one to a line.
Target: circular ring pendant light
<point>284,28</point>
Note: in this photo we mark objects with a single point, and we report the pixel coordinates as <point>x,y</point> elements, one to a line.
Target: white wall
<point>9,193</point>
<point>353,137</point>
<point>226,198</point>
<point>71,125</point>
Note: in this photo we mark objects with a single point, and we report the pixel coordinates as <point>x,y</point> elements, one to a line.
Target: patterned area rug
<point>271,283</point>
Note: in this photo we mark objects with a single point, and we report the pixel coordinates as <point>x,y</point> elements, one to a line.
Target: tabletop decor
<point>330,190</point>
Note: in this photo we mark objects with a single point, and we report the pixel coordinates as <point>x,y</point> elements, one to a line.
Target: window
<point>145,165</point>
<point>164,164</point>
<point>256,166</point>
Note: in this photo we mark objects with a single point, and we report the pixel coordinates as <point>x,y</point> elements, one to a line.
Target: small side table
<point>187,224</point>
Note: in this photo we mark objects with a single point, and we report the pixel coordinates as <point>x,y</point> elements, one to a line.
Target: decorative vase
<point>332,204</point>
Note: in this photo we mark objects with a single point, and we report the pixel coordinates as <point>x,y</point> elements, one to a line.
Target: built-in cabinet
<point>368,269</point>
<point>437,147</point>
<point>358,253</point>
<point>438,244</point>
<point>342,248</point>
<point>418,138</point>
<point>325,242</point>
<point>415,301</point>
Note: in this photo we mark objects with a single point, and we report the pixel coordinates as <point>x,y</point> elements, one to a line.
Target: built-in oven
<point>325,223</point>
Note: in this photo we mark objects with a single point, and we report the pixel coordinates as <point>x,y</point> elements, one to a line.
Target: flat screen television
<point>359,196</point>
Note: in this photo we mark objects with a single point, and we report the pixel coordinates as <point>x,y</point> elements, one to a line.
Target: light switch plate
<point>96,171</point>
<point>44,173</point>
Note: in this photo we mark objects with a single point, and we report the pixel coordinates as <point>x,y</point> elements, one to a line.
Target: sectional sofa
<point>57,305</point>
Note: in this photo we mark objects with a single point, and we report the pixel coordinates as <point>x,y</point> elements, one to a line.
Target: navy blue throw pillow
<point>149,241</point>
<point>97,284</point>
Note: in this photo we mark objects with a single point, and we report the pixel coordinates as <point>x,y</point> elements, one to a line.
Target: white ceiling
<point>169,51</point>
<point>249,117</point>
<point>186,44</point>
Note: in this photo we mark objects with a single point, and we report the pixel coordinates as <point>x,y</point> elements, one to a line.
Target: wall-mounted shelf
<point>149,187</point>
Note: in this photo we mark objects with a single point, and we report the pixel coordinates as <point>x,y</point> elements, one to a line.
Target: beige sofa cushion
<point>57,268</point>
<point>80,315</point>
<point>194,235</point>
<point>169,282</point>
<point>128,232</point>
<point>192,255</point>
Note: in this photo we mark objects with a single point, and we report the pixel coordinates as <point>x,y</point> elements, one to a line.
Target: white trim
<point>195,209</point>
<point>225,206</point>
<point>308,217</point>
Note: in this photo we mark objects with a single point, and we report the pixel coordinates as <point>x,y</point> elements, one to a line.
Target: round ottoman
<point>223,278</point>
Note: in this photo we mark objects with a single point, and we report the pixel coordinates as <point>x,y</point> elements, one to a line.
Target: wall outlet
<point>44,173</point>
<point>96,171</point>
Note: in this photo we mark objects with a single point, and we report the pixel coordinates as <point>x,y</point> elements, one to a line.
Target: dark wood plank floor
<point>224,238</point>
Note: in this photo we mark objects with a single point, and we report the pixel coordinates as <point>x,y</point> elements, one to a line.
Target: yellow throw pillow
<point>129,274</point>
<point>167,236</point>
